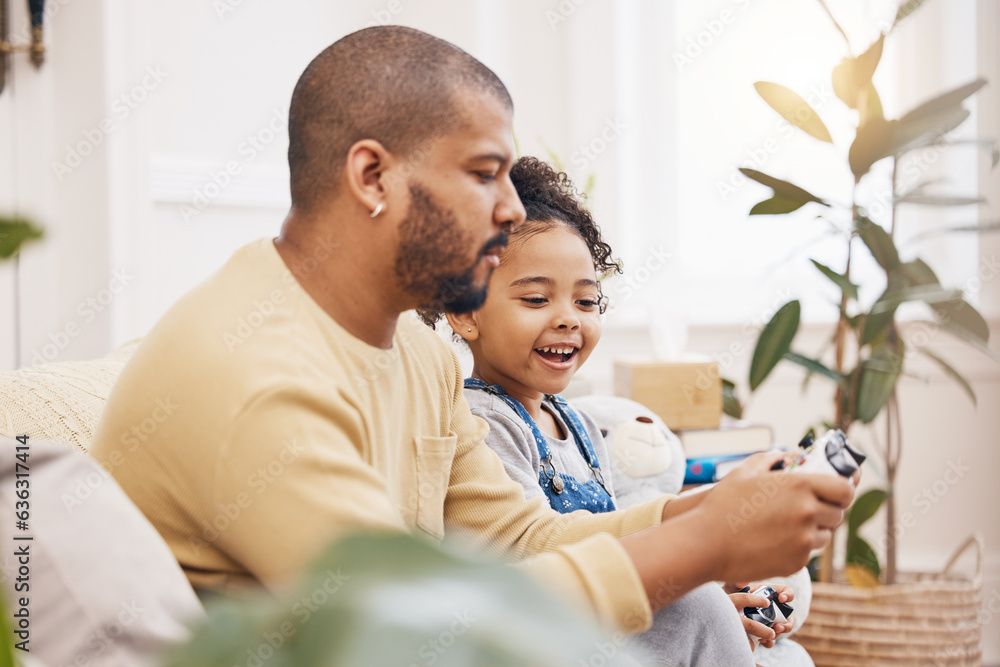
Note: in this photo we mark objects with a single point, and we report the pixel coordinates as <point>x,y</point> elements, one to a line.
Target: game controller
<point>776,612</point>
<point>831,455</point>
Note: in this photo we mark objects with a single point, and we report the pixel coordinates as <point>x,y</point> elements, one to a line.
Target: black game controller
<point>776,612</point>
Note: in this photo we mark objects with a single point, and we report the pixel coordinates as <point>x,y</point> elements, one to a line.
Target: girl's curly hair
<point>549,196</point>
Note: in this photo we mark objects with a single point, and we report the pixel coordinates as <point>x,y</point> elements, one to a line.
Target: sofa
<point>86,578</point>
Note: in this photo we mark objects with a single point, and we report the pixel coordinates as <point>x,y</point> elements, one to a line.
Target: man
<point>302,402</point>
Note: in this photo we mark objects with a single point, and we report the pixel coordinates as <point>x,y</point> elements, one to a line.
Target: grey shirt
<point>514,442</point>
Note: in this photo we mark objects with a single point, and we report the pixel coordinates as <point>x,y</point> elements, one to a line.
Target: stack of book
<point>712,452</point>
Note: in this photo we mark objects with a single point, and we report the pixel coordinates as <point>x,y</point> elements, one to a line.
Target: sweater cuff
<point>598,573</point>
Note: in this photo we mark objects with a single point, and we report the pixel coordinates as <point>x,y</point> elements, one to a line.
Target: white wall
<point>187,87</point>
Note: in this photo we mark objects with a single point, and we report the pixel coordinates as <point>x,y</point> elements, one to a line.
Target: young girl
<point>539,324</point>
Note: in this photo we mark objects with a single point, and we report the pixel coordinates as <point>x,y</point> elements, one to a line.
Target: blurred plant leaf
<point>864,508</point>
<point>873,142</point>
<point>932,295</point>
<point>15,232</point>
<point>927,132</point>
<point>7,658</point>
<point>862,569</point>
<point>962,334</point>
<point>958,314</point>
<point>849,288</point>
<point>879,243</point>
<point>942,104</point>
<point>362,612</point>
<point>871,106</point>
<point>730,402</point>
<point>774,341</point>
<point>815,366</point>
<point>793,108</point>
<point>927,123</point>
<point>952,373</point>
<point>905,10</point>
<point>939,200</point>
<point>776,205</point>
<point>787,197</point>
<point>919,273</point>
<point>990,226</point>
<point>879,373</point>
<point>853,76</point>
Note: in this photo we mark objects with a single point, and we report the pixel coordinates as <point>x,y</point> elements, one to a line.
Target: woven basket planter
<point>925,619</point>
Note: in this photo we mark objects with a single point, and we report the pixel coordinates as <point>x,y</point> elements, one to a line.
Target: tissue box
<point>684,395</point>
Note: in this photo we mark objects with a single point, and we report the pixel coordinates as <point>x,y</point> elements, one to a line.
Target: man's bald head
<point>392,84</point>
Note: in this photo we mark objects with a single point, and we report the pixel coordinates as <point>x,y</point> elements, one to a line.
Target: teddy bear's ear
<point>641,448</point>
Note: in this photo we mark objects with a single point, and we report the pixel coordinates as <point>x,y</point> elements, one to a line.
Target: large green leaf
<point>853,76</point>
<point>860,553</point>
<point>863,509</point>
<point>793,108</point>
<point>774,341</point>
<point>815,366</point>
<point>879,243</point>
<point>782,188</point>
<point>776,205</point>
<point>952,373</point>
<point>14,232</point>
<point>849,288</point>
<point>878,378</point>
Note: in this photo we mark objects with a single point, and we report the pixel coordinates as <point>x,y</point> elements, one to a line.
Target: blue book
<point>709,469</point>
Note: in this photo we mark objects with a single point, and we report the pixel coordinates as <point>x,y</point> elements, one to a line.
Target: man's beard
<point>431,243</point>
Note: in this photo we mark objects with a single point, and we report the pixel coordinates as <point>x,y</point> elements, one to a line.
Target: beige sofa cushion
<point>60,402</point>
<point>104,589</point>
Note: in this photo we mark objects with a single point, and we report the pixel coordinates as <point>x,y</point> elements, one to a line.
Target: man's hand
<point>746,528</point>
<point>757,464</point>
<point>767,524</point>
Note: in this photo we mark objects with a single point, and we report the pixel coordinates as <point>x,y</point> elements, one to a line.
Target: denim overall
<point>565,493</point>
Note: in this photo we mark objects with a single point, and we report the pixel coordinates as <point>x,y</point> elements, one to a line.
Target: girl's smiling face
<point>541,318</point>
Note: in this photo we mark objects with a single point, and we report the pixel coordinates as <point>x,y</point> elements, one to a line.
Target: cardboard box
<point>685,395</point>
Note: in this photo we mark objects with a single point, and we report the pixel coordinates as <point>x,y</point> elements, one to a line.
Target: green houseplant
<point>868,357</point>
<point>869,345</point>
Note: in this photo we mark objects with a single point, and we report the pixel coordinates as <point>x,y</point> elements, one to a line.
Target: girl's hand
<point>765,634</point>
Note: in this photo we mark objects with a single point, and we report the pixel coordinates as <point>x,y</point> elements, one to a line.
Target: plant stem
<point>843,417</point>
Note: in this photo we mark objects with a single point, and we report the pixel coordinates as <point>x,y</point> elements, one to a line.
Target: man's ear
<point>464,325</point>
<point>365,167</point>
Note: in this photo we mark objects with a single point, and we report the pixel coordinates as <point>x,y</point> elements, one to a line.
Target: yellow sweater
<point>252,430</point>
